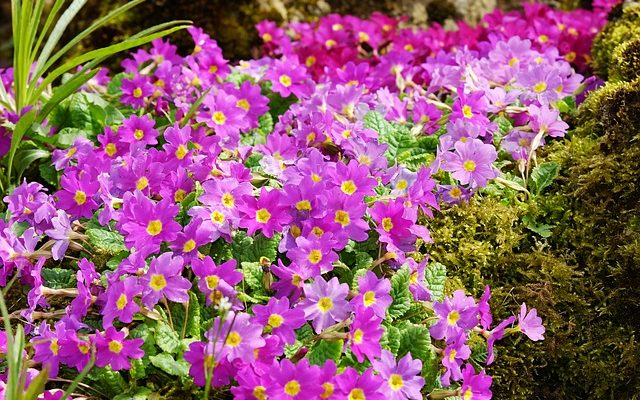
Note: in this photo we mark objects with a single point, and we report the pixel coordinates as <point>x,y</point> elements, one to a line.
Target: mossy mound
<point>624,27</point>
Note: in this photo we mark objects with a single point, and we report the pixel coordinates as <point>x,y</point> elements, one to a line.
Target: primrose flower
<point>295,381</point>
<point>325,302</point>
<point>353,180</point>
<point>200,357</point>
<point>61,233</point>
<point>455,314</point>
<point>288,77</point>
<point>452,358</point>
<point>290,280</point>
<point>471,162</point>
<point>496,334</point>
<point>237,336</point>
<point>530,324</point>
<point>120,301</point>
<point>77,194</point>
<point>365,334</point>
<point>216,281</point>
<point>75,351</point>
<point>314,253</point>
<point>223,115</point>
<point>138,131</point>
<point>164,279</point>
<point>373,293</point>
<point>352,385</point>
<point>113,350</point>
<point>475,387</point>
<point>47,347</point>
<point>402,379</point>
<point>267,213</point>
<point>136,90</point>
<point>279,318</point>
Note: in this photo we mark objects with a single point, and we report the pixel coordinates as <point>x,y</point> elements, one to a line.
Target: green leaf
<point>106,241</point>
<point>251,248</point>
<point>140,394</point>
<point>138,368</point>
<point>400,294</point>
<point>48,173</point>
<point>374,120</point>
<point>391,338</point>
<point>542,176</point>
<point>110,383</point>
<point>168,364</point>
<point>187,320</point>
<point>147,334</point>
<point>166,338</point>
<point>305,333</point>
<point>435,275</point>
<point>324,350</point>
<point>59,278</point>
<point>25,157</point>
<point>415,339</point>
<point>252,272</point>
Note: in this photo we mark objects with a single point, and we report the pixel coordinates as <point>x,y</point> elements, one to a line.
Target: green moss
<point>627,61</point>
<point>615,33</point>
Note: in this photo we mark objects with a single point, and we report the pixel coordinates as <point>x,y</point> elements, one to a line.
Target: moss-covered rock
<point>623,27</point>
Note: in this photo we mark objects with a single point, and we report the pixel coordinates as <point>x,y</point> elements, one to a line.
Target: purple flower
<point>279,318</point>
<point>267,213</point>
<point>471,162</point>
<point>530,324</point>
<point>295,381</point>
<point>113,350</point>
<point>237,336</point>
<point>325,302</point>
<point>288,77</point>
<point>496,334</point>
<point>164,279</point>
<point>223,115</point>
<point>355,386</point>
<point>365,333</point>
<point>200,357</point>
<point>77,194</point>
<point>120,301</point>
<point>402,380</point>
<point>138,131</point>
<point>313,253</point>
<point>453,356</point>
<point>74,350</point>
<point>135,91</point>
<point>547,120</point>
<point>475,387</point>
<point>373,294</point>
<point>215,281</point>
<point>455,314</point>
<point>61,233</point>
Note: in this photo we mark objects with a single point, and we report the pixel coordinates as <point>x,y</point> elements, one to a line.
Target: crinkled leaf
<point>324,350</point>
<point>185,319</point>
<point>108,382</point>
<point>166,338</point>
<point>542,176</point>
<point>59,278</point>
<point>391,338</point>
<point>147,334</point>
<point>400,294</point>
<point>435,276</point>
<point>252,248</point>
<point>168,364</point>
<point>415,339</point>
<point>106,241</point>
<point>253,274</point>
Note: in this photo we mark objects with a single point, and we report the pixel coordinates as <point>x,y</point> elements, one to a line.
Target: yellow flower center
<point>217,217</point>
<point>369,298</point>
<point>234,339</point>
<point>292,388</point>
<point>212,281</point>
<point>453,317</point>
<point>213,69</point>
<point>348,187</point>
<point>363,37</point>
<point>468,395</point>
<point>259,391</point>
<point>358,336</point>
<point>315,256</point>
<point>267,37</point>
<point>244,104</point>
<point>263,216</point>
<point>179,195</point>
<point>142,183</point>
<point>115,346</point>
<point>540,87</point>
<point>328,390</point>
<point>395,382</point>
<point>413,278</point>
<point>325,304</point>
<point>296,279</point>
<point>188,246</point>
<point>228,200</point>
<point>402,184</point>
<point>137,93</point>
<point>330,43</point>
<point>316,178</point>
<point>154,228</point>
<point>455,192</point>
<point>275,320</point>
<point>364,159</point>
<point>157,282</point>
<point>310,61</point>
<point>80,197</point>
<point>110,149</point>
<point>570,56</point>
<point>469,166</point>
<point>84,347</point>
<point>467,112</point>
<point>303,205</point>
<point>138,134</point>
<point>543,38</point>
<point>317,231</point>
<point>121,302</point>
<point>295,231</point>
<point>342,217</point>
<point>387,225</point>
<point>513,61</point>
<point>54,346</point>
<point>357,394</point>
<point>452,355</point>
<point>219,118</point>
<point>285,80</point>
<point>181,152</point>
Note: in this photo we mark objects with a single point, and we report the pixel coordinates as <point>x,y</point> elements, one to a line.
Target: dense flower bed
<point>256,228</point>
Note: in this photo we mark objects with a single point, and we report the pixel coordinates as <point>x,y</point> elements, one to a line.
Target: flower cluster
<point>284,201</point>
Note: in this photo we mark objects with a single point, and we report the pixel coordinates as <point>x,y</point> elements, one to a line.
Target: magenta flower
<point>475,387</point>
<point>530,324</point>
<point>279,318</point>
<point>74,350</point>
<point>452,358</point>
<point>295,381</point>
<point>402,380</point>
<point>325,302</point>
<point>471,162</point>
<point>455,314</point>
<point>237,336</point>
<point>113,350</point>
<point>353,180</point>
<point>365,334</point>
<point>355,386</point>
<point>373,294</point>
<point>135,91</point>
<point>138,130</point>
<point>120,301</point>
<point>267,213</point>
<point>214,279</point>
<point>147,224</point>
<point>392,225</point>
<point>200,356</point>
<point>47,347</point>
<point>223,115</point>
<point>545,119</point>
<point>290,280</point>
<point>164,279</point>
<point>313,253</point>
<point>288,77</point>
<point>496,334</point>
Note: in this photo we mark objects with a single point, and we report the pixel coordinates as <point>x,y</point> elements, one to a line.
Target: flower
<point>365,334</point>
<point>295,381</point>
<point>120,301</point>
<point>75,351</point>
<point>113,350</point>
<point>325,302</point>
<point>136,90</point>
<point>279,318</point>
<point>138,131</point>
<point>471,162</point>
<point>453,356</point>
<point>314,253</point>
<point>200,357</point>
<point>373,293</point>
<point>216,281</point>
<point>496,334</point>
<point>164,279</point>
<point>356,387</point>
<point>475,387</point>
<point>267,213</point>
<point>530,324</point>
<point>402,380</point>
<point>237,336</point>
<point>288,77</point>
<point>455,314</point>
